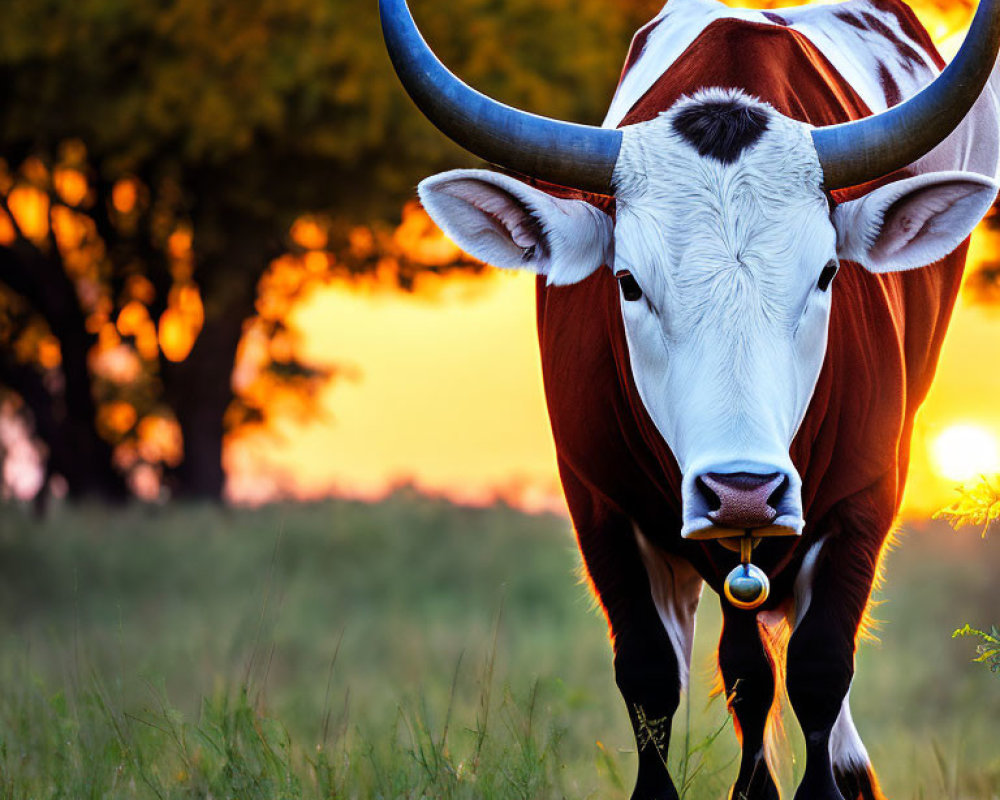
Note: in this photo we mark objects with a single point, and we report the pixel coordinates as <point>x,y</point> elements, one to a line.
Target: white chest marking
<point>804,582</point>
<point>676,589</point>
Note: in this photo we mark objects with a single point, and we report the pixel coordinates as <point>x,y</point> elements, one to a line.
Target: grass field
<point>409,649</point>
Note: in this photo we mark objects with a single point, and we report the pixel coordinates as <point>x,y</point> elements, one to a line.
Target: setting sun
<point>964,452</point>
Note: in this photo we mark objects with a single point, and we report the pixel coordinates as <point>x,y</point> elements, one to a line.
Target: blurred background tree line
<point>173,174</point>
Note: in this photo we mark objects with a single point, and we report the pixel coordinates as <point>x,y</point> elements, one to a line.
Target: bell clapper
<point>747,585</point>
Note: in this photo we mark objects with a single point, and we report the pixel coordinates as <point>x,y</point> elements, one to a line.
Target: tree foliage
<point>156,157</point>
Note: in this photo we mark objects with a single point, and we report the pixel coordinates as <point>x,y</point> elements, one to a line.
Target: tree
<point>157,156</point>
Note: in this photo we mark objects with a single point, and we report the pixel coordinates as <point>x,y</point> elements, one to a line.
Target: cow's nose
<point>742,499</point>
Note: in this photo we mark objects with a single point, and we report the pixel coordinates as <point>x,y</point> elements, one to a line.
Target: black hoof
<point>760,787</point>
<point>819,787</point>
<point>656,789</point>
<point>858,782</point>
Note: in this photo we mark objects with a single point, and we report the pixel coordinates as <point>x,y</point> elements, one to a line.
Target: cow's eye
<point>827,275</point>
<point>630,289</point>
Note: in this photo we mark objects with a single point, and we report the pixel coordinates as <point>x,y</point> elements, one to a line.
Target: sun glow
<point>964,451</point>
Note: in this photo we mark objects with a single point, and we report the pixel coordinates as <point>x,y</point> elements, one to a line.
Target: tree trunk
<point>199,388</point>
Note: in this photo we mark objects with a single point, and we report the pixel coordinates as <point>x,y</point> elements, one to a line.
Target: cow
<point>744,279</point>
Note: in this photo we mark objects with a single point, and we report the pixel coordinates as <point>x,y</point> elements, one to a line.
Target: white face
<point>728,337</point>
<point>734,263</point>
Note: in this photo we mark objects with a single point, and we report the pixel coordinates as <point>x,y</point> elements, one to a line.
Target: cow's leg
<point>653,659</point>
<point>648,677</point>
<point>748,677</point>
<point>831,597</point>
<point>647,668</point>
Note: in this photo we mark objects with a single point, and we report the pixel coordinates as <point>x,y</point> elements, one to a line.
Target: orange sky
<point>965,389</point>
<point>448,395</point>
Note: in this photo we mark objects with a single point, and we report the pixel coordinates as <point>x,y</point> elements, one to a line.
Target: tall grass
<point>408,649</point>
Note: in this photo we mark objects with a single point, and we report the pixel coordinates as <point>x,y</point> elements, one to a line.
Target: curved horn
<point>579,156</point>
<point>866,149</point>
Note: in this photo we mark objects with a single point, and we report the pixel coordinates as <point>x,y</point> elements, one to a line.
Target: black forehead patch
<point>721,129</point>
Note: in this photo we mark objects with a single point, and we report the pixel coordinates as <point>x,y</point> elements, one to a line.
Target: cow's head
<point>725,246</point>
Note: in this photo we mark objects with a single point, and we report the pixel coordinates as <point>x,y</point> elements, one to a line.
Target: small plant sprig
<point>978,505</point>
<point>988,649</point>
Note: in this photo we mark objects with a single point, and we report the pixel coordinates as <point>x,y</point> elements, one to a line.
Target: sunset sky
<point>447,395</point>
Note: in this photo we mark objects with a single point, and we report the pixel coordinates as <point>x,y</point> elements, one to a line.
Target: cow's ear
<point>914,222</point>
<point>509,224</point>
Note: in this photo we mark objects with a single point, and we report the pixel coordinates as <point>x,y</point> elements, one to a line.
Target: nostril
<point>775,497</point>
<point>713,500</point>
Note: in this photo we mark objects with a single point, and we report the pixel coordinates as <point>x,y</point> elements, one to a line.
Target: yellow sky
<point>448,396</point>
<point>966,389</point>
